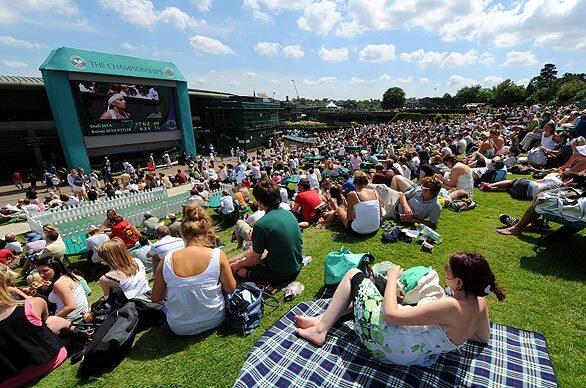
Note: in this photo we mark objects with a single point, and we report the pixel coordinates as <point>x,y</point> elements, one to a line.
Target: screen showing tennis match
<point>107,108</point>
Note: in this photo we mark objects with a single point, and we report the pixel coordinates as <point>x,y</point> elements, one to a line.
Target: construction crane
<point>295,86</point>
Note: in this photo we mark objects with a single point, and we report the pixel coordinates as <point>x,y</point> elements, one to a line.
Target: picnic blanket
<point>513,358</point>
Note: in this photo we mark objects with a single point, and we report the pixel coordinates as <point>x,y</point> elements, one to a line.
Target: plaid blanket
<point>513,358</point>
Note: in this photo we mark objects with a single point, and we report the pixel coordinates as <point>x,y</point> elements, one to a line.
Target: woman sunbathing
<point>415,335</point>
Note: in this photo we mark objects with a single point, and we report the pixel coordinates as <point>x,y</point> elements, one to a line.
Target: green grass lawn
<point>545,293</point>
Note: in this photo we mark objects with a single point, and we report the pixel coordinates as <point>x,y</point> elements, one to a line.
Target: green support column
<point>184,112</point>
<point>66,120</point>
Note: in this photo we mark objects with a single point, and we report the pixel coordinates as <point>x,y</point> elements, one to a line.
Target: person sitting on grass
<point>164,245</point>
<point>415,204</point>
<point>243,228</point>
<point>126,272</point>
<point>363,211</point>
<point>121,228</point>
<point>306,203</point>
<point>277,233</point>
<point>416,335</point>
<point>190,281</point>
<point>65,289</point>
<point>30,337</point>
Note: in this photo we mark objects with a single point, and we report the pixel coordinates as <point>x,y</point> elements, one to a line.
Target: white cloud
<point>526,58</point>
<point>250,74</point>
<point>128,46</point>
<point>414,56</point>
<point>523,81</point>
<point>321,80</point>
<point>254,6</point>
<point>407,80</point>
<point>377,53</point>
<point>432,57</point>
<point>423,80</point>
<point>234,83</point>
<point>143,13</point>
<point>384,77</point>
<point>14,64</point>
<point>10,41</point>
<point>293,51</point>
<point>202,5</point>
<point>267,49</point>
<point>549,23</point>
<point>334,55</point>
<point>356,80</point>
<point>276,82</point>
<point>470,57</point>
<point>205,44</point>
<point>319,17</point>
<point>445,59</point>
<point>491,81</point>
<point>457,81</point>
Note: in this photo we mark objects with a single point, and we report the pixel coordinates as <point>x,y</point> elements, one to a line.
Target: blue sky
<point>332,48</point>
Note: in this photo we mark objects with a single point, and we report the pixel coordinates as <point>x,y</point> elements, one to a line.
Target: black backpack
<point>110,344</point>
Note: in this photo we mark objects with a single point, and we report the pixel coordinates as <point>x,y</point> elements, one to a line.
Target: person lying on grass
<point>416,335</point>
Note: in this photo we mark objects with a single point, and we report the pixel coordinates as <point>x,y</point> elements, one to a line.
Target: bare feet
<point>512,231</point>
<point>313,335</point>
<point>307,322</point>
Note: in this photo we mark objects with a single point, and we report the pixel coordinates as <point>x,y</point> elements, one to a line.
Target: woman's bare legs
<point>498,186</point>
<point>529,216</point>
<point>315,329</point>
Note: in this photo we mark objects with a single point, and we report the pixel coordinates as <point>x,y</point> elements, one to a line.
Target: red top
<point>126,232</point>
<point>16,176</point>
<point>308,200</point>
<point>5,255</point>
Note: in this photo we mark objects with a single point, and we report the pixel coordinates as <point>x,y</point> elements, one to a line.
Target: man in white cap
<point>116,108</point>
<point>93,242</point>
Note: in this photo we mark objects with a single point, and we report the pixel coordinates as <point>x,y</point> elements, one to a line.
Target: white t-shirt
<point>94,242</point>
<point>227,204</point>
<point>257,215</point>
<point>284,195</point>
<point>165,245</point>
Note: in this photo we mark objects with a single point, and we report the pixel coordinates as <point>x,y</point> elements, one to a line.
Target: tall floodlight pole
<point>295,86</point>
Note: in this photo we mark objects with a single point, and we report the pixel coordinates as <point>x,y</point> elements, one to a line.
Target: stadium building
<point>30,134</point>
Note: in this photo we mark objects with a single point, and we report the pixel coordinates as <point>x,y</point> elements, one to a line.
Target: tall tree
<point>393,98</point>
<point>507,93</point>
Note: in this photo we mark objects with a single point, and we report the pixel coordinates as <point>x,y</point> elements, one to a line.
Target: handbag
<point>337,263</point>
<point>244,307</point>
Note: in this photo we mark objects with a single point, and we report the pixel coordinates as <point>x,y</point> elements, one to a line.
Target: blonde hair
<point>8,273</point>
<point>34,280</point>
<point>197,227</point>
<point>115,254</point>
<point>360,179</point>
<point>6,299</point>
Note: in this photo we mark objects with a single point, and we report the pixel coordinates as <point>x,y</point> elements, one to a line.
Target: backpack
<point>337,263</point>
<point>110,344</point>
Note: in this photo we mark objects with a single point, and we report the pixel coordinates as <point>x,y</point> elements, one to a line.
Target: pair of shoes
<point>508,220</point>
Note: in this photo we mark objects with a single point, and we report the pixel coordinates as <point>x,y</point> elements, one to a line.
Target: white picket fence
<point>57,216</point>
<point>162,206</point>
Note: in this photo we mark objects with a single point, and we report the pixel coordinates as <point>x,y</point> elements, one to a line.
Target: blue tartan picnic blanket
<point>513,358</point>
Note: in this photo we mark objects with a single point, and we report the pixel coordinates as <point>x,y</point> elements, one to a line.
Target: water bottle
<point>292,290</point>
<point>427,233</point>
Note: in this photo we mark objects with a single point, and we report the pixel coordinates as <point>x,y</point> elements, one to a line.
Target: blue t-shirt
<point>349,185</point>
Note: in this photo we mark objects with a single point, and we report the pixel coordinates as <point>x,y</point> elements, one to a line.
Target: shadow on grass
<point>148,346</point>
<point>556,259</point>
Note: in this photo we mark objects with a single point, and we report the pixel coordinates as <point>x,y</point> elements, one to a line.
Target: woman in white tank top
<point>363,213</point>
<point>193,279</point>
<point>460,177</point>
<point>65,290</point>
<point>125,272</point>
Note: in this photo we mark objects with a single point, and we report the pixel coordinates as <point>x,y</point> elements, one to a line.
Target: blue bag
<point>244,316</point>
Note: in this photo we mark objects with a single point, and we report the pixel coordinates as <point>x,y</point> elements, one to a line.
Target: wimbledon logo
<point>77,61</point>
<point>169,72</point>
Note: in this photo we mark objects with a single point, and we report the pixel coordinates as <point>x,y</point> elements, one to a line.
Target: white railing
<point>122,205</point>
<point>58,216</point>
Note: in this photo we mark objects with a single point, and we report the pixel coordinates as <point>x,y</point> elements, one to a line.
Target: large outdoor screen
<point>107,108</point>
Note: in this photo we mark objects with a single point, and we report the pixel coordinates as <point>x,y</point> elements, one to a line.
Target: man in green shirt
<point>277,233</point>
